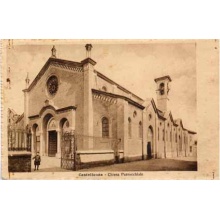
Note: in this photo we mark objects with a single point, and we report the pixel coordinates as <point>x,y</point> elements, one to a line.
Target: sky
<point>133,65</point>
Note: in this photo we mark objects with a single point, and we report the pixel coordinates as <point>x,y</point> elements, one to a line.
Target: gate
<point>68,151</point>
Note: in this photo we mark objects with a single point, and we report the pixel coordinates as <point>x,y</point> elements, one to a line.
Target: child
<point>37,161</point>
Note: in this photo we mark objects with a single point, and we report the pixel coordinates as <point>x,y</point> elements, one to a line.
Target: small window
<point>105,127</point>
<point>190,149</point>
<point>129,127</point>
<point>140,129</point>
<point>170,136</point>
<point>149,117</point>
<point>168,125</point>
<point>134,114</point>
<point>37,138</point>
<point>163,134</point>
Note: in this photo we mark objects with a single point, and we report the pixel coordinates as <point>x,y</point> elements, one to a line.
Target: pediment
<point>64,64</point>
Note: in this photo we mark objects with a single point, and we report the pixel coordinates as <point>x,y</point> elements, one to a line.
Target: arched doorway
<point>52,138</point>
<point>49,135</point>
<point>64,125</point>
<point>65,133</point>
<point>150,142</point>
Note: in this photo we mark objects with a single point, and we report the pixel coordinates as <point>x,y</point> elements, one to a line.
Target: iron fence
<point>19,139</point>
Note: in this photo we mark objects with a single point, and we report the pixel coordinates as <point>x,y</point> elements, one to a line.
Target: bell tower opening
<point>163,89</point>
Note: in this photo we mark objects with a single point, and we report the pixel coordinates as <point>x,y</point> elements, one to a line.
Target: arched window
<point>163,134</point>
<point>170,137</point>
<point>129,127</point>
<point>166,136</point>
<point>161,88</point>
<point>176,137</point>
<point>140,129</point>
<point>104,88</point>
<point>105,127</point>
<point>134,114</point>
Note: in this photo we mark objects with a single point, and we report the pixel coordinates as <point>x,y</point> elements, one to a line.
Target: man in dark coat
<point>37,161</point>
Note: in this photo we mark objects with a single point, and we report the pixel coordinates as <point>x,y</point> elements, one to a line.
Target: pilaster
<point>144,135</point>
<point>122,121</point>
<point>88,71</point>
<point>58,154</point>
<point>26,112</point>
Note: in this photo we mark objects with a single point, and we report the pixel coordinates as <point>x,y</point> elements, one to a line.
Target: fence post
<point>73,149</point>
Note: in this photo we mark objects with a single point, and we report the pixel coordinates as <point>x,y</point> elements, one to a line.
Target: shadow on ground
<point>149,165</point>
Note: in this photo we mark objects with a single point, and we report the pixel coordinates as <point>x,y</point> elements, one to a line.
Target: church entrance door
<point>149,152</point>
<point>52,143</point>
<point>150,143</point>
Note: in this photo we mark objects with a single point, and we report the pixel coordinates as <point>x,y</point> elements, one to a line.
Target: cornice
<point>57,111</point>
<point>130,101</point>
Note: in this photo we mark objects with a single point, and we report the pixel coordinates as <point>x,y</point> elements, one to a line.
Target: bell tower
<point>163,89</point>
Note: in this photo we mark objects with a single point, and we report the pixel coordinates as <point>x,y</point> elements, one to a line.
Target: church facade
<point>107,122</point>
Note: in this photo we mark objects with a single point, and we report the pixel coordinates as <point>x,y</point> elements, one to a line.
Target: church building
<point>77,114</point>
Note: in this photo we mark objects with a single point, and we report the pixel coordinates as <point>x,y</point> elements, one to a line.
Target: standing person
<point>37,160</point>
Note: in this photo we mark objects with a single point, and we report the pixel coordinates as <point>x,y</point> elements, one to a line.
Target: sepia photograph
<point>109,109</point>
<point>101,108</point>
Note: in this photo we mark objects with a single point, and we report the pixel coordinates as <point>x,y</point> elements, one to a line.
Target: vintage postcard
<point>110,109</point>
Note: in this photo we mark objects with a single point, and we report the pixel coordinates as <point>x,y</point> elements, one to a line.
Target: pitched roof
<point>101,75</point>
<point>163,77</point>
<point>20,118</point>
<point>57,62</point>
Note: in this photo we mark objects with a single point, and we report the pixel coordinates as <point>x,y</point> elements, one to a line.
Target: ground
<point>149,165</point>
<point>53,165</point>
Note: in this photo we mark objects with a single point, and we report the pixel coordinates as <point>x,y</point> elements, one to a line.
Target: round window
<point>52,85</point>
